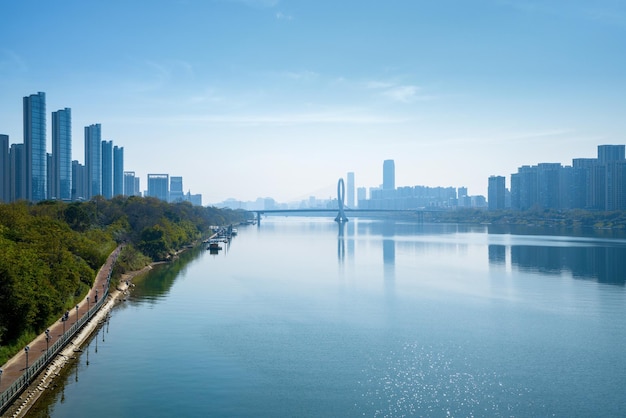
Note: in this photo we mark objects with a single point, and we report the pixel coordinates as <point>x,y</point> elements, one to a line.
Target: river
<point>301,317</point>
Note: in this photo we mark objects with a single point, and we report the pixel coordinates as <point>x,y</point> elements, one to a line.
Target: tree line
<point>50,252</point>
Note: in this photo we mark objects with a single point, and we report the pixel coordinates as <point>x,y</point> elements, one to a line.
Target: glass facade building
<point>389,175</point>
<point>18,172</point>
<point>176,189</point>
<point>129,184</point>
<point>5,172</point>
<point>118,171</point>
<point>158,186</point>
<point>35,146</point>
<point>61,187</point>
<point>93,160</point>
<point>107,169</point>
<point>496,192</point>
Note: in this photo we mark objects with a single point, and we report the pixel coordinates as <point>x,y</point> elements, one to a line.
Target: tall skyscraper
<point>79,181</point>
<point>5,169</point>
<point>389,175</point>
<point>61,186</point>
<point>176,189</point>
<point>158,186</point>
<point>129,184</point>
<point>118,171</point>
<point>35,146</point>
<point>93,160</point>
<point>107,169</point>
<point>350,191</point>
<point>496,192</point>
<point>49,175</point>
<point>18,172</point>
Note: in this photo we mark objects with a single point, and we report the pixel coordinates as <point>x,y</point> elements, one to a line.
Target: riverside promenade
<point>19,364</point>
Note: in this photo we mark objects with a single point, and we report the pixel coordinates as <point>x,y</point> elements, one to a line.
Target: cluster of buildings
<point>29,172</point>
<point>385,196</point>
<point>589,183</point>
<point>388,196</point>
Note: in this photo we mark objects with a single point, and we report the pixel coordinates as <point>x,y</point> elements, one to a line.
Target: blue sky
<point>280,98</point>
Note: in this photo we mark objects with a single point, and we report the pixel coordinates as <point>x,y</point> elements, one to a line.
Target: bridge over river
<point>342,210</point>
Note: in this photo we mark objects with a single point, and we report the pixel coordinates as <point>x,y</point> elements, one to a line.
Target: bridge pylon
<point>341,194</point>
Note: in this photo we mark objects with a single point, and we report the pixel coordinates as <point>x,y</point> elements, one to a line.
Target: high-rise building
<point>389,175</point>
<point>195,199</point>
<point>49,175</point>
<point>18,172</point>
<point>80,188</point>
<point>118,171</point>
<point>176,189</point>
<point>5,169</point>
<point>35,146</point>
<point>93,160</point>
<point>608,153</point>
<point>107,169</point>
<point>129,184</point>
<point>61,185</point>
<point>496,192</point>
<point>350,191</point>
<point>158,186</point>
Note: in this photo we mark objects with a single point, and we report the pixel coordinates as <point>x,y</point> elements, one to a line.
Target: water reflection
<point>341,246</point>
<point>604,264</point>
<point>389,249</point>
<point>162,277</point>
<point>497,254</point>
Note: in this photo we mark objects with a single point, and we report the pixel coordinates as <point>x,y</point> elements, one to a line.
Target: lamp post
<point>47,342</point>
<point>26,350</point>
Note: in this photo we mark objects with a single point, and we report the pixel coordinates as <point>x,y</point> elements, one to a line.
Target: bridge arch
<point>341,195</point>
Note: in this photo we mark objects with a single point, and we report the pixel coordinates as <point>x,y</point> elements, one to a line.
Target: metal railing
<point>21,383</point>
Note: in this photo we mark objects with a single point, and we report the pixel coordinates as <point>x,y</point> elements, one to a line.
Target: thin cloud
<point>402,93</point>
<point>258,4</point>
<point>346,116</point>
<point>283,16</point>
<point>603,13</point>
<point>301,75</point>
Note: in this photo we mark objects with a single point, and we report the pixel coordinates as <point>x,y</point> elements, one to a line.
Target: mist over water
<point>303,317</point>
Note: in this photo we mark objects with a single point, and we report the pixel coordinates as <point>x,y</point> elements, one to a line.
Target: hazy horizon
<point>279,98</point>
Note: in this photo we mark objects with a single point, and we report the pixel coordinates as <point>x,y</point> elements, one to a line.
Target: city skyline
<point>453,92</point>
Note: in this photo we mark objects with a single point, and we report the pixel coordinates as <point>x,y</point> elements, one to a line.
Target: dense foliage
<point>51,251</point>
<point>572,219</point>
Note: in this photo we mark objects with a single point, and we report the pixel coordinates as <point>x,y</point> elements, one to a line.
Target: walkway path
<point>15,367</point>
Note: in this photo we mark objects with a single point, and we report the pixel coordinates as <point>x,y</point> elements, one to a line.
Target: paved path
<point>15,367</point>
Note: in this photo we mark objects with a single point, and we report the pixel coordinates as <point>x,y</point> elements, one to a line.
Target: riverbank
<point>45,380</point>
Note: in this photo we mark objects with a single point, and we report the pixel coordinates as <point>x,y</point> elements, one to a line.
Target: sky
<point>281,98</point>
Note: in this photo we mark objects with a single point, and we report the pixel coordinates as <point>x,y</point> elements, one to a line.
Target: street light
<point>47,342</point>
<point>26,350</point>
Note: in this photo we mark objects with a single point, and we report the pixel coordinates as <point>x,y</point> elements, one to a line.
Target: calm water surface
<point>301,318</point>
